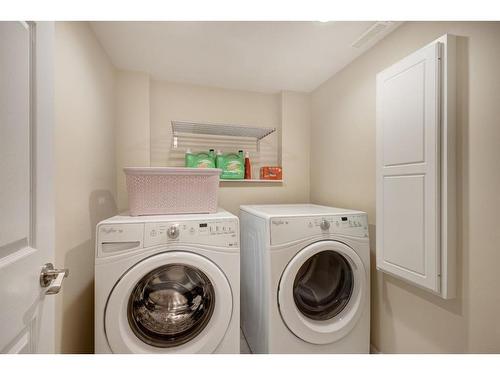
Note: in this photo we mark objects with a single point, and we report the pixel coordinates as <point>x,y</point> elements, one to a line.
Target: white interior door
<point>26,201</point>
<point>408,168</point>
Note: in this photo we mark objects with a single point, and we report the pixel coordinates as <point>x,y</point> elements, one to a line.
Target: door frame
<point>42,138</point>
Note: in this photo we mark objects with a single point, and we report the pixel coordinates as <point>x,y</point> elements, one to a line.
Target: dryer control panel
<point>288,229</point>
<point>122,237</point>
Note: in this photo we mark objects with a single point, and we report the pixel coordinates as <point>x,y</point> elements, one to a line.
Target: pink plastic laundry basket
<point>157,191</point>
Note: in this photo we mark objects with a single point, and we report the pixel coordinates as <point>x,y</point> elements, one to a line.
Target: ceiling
<point>253,56</point>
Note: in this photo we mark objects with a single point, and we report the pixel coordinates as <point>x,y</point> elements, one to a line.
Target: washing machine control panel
<point>288,229</point>
<point>125,237</point>
<point>213,233</point>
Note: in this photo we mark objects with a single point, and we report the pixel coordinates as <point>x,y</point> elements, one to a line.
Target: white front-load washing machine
<point>305,285</point>
<point>168,284</point>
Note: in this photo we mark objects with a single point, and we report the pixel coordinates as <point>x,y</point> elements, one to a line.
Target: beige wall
<point>295,147</point>
<point>172,101</point>
<point>295,129</point>
<point>132,127</point>
<point>404,318</point>
<point>288,111</point>
<point>85,180</point>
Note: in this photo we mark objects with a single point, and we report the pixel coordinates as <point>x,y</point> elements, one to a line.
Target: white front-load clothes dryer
<point>167,284</point>
<point>305,279</point>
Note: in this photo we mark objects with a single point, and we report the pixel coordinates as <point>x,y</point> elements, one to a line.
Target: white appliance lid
<point>284,210</point>
<point>125,218</point>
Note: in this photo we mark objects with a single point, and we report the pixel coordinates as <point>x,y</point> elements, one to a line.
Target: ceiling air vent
<point>370,33</point>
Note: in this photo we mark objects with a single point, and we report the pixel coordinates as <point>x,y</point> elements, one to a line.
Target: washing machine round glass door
<point>321,292</point>
<point>172,302</point>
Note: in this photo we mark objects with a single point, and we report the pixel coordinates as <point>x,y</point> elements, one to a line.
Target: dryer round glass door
<point>323,285</point>
<point>172,302</point>
<point>321,292</point>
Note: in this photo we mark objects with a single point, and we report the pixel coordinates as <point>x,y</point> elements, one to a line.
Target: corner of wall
<point>132,116</point>
<point>296,140</point>
<point>84,135</point>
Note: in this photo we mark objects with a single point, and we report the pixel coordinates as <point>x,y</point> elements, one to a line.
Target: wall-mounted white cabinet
<point>415,168</point>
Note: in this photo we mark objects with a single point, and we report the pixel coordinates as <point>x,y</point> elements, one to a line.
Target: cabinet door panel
<point>408,158</point>
<point>404,117</point>
<point>404,223</point>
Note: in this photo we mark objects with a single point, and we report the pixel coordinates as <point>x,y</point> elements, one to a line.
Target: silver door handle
<point>52,278</point>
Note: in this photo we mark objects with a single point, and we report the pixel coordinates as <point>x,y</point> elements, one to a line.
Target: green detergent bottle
<point>200,160</point>
<point>232,165</point>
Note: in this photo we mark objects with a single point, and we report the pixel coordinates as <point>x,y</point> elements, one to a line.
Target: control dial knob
<point>325,225</point>
<point>173,231</point>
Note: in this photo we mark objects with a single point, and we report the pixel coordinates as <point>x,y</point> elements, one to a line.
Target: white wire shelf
<point>254,181</point>
<point>227,130</point>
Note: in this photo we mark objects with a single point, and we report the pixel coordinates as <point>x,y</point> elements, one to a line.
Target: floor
<point>244,349</point>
